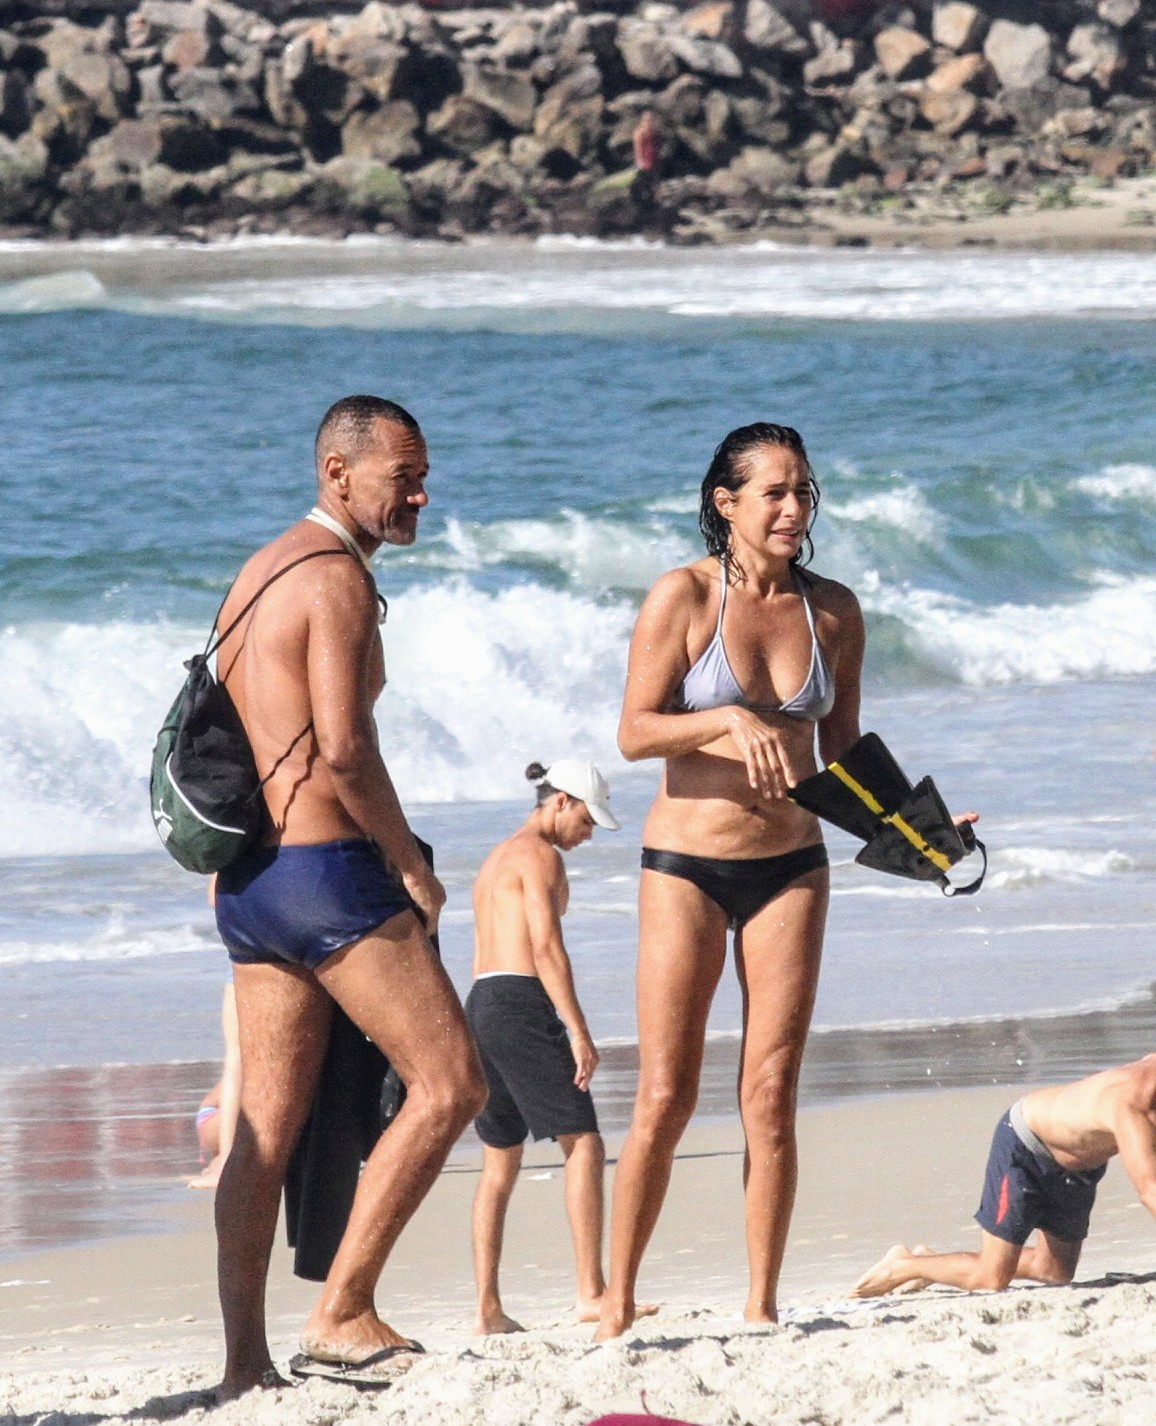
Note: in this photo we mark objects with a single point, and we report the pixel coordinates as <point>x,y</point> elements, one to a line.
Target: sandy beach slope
<point>127,1331</point>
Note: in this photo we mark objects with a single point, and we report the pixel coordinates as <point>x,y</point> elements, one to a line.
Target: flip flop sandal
<point>379,1369</point>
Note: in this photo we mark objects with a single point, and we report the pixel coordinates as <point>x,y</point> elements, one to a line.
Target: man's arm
<point>543,892</point>
<point>342,638</point>
<point>1135,1129</point>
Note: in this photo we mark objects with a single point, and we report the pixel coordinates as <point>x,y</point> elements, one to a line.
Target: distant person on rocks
<point>535,1045</point>
<point>335,904</point>
<point>1049,1153</point>
<point>647,142</point>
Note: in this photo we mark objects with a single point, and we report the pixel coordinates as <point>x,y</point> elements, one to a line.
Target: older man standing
<point>335,905</point>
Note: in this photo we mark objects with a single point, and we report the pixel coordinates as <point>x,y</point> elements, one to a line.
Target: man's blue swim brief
<point>1025,1188</point>
<point>296,905</point>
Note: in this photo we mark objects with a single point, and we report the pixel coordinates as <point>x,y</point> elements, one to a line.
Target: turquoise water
<point>983,431</point>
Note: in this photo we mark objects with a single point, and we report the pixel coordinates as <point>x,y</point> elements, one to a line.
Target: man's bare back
<point>1083,1123</point>
<point>502,937</point>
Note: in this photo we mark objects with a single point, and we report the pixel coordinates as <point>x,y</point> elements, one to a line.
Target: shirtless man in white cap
<point>531,1033</point>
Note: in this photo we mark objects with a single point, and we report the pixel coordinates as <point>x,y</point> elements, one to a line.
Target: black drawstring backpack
<point>206,795</point>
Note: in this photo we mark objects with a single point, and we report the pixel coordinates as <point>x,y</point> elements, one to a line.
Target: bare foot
<point>613,1322</point>
<point>916,1284</point>
<point>351,1341</point>
<point>269,1380</point>
<point>495,1323</point>
<point>589,1309</point>
<point>209,1175</point>
<point>767,1315</point>
<point>886,1275</point>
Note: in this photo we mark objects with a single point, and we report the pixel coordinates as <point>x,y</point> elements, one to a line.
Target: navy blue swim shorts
<point>1025,1189</point>
<point>528,1063</point>
<point>296,905</point>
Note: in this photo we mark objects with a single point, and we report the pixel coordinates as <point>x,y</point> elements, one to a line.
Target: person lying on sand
<point>1048,1154</point>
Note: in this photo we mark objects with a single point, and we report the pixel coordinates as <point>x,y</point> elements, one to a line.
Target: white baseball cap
<point>583,780</point>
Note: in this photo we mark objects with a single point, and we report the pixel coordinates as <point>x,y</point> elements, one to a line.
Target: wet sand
<point>104,1151</point>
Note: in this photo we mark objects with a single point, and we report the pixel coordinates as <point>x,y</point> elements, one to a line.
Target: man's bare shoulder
<point>535,859</point>
<point>522,857</point>
<point>326,576</point>
<point>1136,1085</point>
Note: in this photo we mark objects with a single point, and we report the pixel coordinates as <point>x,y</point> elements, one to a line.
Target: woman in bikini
<point>734,663</point>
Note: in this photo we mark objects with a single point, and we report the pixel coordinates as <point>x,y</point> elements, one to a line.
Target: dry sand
<point>127,1330</point>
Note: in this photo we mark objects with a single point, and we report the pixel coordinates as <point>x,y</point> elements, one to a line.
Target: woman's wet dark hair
<point>537,773</point>
<point>729,470</point>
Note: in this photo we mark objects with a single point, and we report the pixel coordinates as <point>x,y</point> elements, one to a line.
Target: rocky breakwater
<point>206,116</point>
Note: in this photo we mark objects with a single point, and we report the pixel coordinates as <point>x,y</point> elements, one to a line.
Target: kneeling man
<point>1049,1152</point>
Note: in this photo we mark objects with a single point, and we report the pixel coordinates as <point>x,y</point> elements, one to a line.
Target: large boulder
<point>365,188</point>
<point>958,26</point>
<point>1119,12</point>
<point>833,65</point>
<point>512,96</point>
<point>83,60</point>
<point>837,164</point>
<point>703,56</point>
<point>463,125</point>
<point>1097,53</point>
<point>519,43</point>
<point>753,173</point>
<point>1021,55</point>
<point>767,28</point>
<point>966,71</point>
<point>388,133</point>
<point>270,190</point>
<point>949,112</point>
<point>24,165</point>
<point>368,59</point>
<point>212,94</point>
<point>902,53</point>
<point>155,22</point>
<point>646,51</point>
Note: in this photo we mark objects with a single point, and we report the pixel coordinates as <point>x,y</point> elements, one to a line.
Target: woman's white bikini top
<point>710,682</point>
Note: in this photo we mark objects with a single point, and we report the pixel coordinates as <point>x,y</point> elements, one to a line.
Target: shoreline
<point>88,1149</point>
<point>129,1327</point>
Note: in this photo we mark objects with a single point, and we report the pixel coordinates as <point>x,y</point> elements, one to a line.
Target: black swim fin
<point>908,830</point>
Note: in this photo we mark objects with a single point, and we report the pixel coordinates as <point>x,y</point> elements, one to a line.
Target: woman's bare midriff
<point>707,807</point>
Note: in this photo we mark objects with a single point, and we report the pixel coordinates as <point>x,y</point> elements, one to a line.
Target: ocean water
<point>983,427</point>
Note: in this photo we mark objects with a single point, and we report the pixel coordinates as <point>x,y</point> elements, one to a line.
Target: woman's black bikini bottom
<point>740,887</point>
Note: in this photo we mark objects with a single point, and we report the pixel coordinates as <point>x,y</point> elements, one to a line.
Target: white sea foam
<point>379,282</point>
<point>1030,866</point>
<point>479,685</point>
<point>904,508</point>
<point>113,942</point>
<point>52,292</point>
<point>1110,632</point>
<point>1130,481</point>
<point>594,554</point>
<point>480,682</point>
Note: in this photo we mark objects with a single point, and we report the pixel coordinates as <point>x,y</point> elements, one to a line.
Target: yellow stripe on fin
<point>903,827</point>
